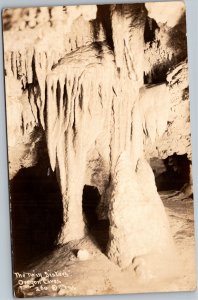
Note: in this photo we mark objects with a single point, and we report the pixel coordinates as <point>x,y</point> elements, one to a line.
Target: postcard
<point>99,149</point>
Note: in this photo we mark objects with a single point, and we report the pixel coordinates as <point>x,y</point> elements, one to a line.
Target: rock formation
<point>106,90</point>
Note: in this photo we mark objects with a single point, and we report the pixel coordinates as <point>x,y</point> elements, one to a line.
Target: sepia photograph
<point>99,149</point>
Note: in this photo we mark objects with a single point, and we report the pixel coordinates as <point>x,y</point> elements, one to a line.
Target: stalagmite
<point>148,230</point>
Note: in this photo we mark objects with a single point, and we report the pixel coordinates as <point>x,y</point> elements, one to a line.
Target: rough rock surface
<point>177,136</point>
<point>23,131</point>
<point>147,233</point>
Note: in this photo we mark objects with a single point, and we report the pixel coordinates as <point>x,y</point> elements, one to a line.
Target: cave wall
<point>85,92</point>
<point>177,137</point>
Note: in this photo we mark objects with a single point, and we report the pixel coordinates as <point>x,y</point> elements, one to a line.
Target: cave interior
<point>37,209</point>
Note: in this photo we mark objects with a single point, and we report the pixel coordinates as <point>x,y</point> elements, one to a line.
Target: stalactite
<point>24,18</point>
<point>13,64</point>
<point>42,53</point>
<point>43,17</point>
<point>32,17</point>
<point>41,71</point>
<point>34,107</point>
<point>29,55</point>
<point>157,61</point>
<point>128,58</point>
<point>80,108</point>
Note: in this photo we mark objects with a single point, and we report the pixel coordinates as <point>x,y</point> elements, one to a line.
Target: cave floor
<point>98,275</point>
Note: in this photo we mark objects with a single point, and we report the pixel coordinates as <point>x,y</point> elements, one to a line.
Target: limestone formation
<point>85,80</point>
<point>177,137</point>
<point>136,192</point>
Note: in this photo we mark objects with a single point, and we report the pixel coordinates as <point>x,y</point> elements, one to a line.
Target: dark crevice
<point>149,30</point>
<point>171,173</point>
<point>97,229</point>
<point>103,18</point>
<point>58,97</point>
<point>36,212</point>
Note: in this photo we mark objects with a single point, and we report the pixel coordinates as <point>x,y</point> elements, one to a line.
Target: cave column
<point>128,22</point>
<point>73,227</point>
<point>138,223</point>
<point>71,172</point>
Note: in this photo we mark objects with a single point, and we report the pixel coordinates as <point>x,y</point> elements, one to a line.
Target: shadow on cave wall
<point>176,43</point>
<point>97,229</point>
<point>37,213</point>
<point>103,18</point>
<point>149,30</point>
<point>171,173</point>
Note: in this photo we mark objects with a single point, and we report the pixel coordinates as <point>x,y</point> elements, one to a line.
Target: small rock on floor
<point>83,255</point>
